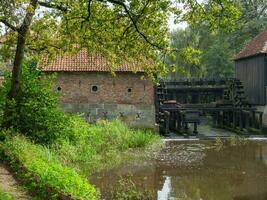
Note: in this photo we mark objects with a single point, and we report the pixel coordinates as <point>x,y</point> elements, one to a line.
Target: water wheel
<point>235,94</point>
<point>161,94</point>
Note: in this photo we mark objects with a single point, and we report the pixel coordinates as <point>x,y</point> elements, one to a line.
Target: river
<point>230,169</point>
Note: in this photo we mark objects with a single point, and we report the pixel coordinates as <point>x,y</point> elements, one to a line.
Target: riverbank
<point>61,168</point>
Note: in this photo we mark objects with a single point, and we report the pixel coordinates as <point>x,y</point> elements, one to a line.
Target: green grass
<point>5,196</point>
<point>62,167</point>
<point>100,146</point>
<point>41,171</point>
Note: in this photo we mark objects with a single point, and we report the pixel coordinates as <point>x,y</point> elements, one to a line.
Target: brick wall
<point>100,95</point>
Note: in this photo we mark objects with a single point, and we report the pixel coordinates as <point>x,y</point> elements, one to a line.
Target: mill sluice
<point>184,102</point>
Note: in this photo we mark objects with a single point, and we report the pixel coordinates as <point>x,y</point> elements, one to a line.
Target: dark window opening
<point>129,90</point>
<point>94,88</point>
<point>59,89</point>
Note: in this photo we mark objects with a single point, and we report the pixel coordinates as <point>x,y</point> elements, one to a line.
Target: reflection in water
<point>198,171</point>
<point>166,189</point>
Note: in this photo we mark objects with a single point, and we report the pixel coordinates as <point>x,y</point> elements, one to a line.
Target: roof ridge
<point>85,61</point>
<point>256,46</point>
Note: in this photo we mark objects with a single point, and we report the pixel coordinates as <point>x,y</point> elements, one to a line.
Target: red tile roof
<point>257,46</point>
<point>83,62</point>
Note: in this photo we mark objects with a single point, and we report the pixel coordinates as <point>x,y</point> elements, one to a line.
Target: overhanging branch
<point>118,2</point>
<point>9,25</point>
<point>54,6</point>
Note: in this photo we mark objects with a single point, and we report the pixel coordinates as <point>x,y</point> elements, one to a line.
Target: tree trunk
<point>16,71</point>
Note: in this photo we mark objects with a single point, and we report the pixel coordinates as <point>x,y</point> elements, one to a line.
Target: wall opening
<point>94,88</point>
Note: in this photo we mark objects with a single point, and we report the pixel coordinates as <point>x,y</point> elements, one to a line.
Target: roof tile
<point>257,46</point>
<point>83,61</point>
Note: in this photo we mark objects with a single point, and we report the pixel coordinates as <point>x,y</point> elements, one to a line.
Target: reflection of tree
<point>200,187</point>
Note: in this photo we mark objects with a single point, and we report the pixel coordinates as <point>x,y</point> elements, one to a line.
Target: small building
<point>87,86</point>
<point>251,69</point>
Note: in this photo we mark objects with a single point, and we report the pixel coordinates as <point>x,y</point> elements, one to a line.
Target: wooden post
<point>167,122</point>
<point>260,121</point>
<point>179,122</point>
<point>246,120</point>
<point>195,128</point>
<point>234,119</point>
<point>217,119</point>
<point>240,120</point>
<point>220,119</point>
<point>253,120</point>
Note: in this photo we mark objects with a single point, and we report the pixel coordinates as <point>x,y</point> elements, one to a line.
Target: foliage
<point>77,142</point>
<point>208,11</point>
<point>99,146</point>
<point>44,174</point>
<point>120,30</point>
<point>85,147</point>
<point>37,115</point>
<point>218,43</point>
<point>126,189</point>
<point>5,196</point>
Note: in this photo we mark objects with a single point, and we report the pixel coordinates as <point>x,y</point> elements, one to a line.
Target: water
<point>197,170</point>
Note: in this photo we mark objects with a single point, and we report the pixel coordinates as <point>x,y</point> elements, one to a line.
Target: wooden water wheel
<point>235,94</point>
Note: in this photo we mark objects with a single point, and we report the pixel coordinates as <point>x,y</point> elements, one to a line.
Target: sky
<point>181,25</point>
<point>173,26</point>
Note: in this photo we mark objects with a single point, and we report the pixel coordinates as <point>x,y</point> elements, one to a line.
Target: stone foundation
<point>137,116</point>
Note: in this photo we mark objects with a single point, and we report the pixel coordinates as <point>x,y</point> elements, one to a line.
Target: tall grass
<point>99,145</point>
<point>83,149</point>
<point>5,196</point>
<point>41,171</point>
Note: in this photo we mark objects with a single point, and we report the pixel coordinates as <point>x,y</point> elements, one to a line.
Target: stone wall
<point>99,95</point>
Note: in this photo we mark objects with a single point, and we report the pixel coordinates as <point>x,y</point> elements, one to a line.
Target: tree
<point>218,43</point>
<point>122,30</point>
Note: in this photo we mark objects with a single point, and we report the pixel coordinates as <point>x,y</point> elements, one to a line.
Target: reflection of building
<point>87,86</point>
<point>261,154</point>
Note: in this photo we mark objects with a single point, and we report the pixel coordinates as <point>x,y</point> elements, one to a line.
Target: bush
<point>40,169</point>
<point>37,113</point>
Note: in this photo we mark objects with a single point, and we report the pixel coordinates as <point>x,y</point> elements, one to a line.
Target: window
<point>94,89</point>
<point>58,88</point>
<point>129,90</point>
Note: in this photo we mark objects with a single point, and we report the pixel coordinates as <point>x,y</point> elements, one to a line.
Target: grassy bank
<point>52,152</point>
<point>55,170</point>
<point>5,196</point>
<point>99,146</point>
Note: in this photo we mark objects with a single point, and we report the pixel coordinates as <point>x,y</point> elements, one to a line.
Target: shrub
<point>37,113</point>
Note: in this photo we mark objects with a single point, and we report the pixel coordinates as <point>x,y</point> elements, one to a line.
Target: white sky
<point>173,26</point>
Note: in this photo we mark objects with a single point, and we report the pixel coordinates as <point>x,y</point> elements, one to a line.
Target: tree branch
<point>89,13</point>
<point>54,6</point>
<point>118,2</point>
<point>89,9</point>
<point>262,11</point>
<point>9,25</point>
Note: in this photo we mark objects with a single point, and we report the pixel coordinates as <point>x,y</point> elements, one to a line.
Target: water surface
<point>197,170</point>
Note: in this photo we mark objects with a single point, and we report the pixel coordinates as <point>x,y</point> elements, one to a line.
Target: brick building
<point>87,86</point>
